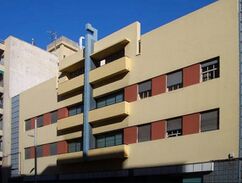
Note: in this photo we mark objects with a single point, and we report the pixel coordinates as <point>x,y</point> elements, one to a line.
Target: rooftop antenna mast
<point>53,37</point>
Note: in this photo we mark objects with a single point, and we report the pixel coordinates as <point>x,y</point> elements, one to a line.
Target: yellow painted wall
<point>209,32</point>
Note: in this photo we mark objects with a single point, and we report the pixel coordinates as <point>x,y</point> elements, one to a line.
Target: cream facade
<point>147,127</point>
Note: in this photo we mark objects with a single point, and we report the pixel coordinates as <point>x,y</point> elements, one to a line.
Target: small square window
<point>72,111</point>
<point>54,117</point>
<point>144,133</point>
<point>210,69</point>
<point>53,149</point>
<point>174,80</point>
<point>119,98</point>
<point>40,121</point>
<point>118,139</point>
<point>101,103</point>
<point>100,142</point>
<point>27,153</point>
<point>28,125</point>
<point>210,120</point>
<point>39,150</point>
<point>174,127</point>
<point>110,100</point>
<point>145,89</point>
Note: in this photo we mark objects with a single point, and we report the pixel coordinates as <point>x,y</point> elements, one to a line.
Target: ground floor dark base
<point>226,171</point>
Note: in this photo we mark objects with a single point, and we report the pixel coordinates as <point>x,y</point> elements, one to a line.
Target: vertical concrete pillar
<point>90,38</point>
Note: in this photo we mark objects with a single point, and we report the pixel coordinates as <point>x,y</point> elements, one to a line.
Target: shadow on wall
<point>104,171</point>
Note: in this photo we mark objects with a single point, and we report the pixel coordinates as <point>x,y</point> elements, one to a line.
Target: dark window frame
<point>40,121</point>
<point>177,85</point>
<point>77,144</point>
<point>28,125</point>
<point>75,109</point>
<point>217,124</point>
<point>141,137</point>
<point>114,96</point>
<point>105,136</point>
<point>54,117</point>
<point>210,69</point>
<point>174,132</point>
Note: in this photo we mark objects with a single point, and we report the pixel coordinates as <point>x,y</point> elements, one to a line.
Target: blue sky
<point>27,19</point>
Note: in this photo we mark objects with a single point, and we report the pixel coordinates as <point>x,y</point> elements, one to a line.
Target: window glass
<point>71,147</point>
<point>40,122</point>
<point>174,127</point>
<point>119,98</point>
<point>110,140</point>
<point>119,139</point>
<point>53,149</point>
<point>79,109</point>
<point>27,125</point>
<point>72,111</point>
<point>27,153</point>
<point>39,151</point>
<point>54,117</point>
<point>210,69</point>
<point>101,103</point>
<point>110,99</point>
<point>144,133</point>
<point>210,120</point>
<point>174,80</point>
<point>100,142</point>
<point>145,89</point>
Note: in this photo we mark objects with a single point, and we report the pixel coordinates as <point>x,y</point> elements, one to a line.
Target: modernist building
<point>159,107</point>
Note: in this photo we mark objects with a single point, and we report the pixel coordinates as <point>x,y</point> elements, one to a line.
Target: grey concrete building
<point>22,66</point>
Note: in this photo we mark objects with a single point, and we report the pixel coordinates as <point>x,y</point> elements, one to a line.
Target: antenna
<point>53,36</point>
<point>32,41</point>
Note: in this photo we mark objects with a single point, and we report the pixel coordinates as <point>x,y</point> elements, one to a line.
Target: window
<point>192,180</point>
<point>110,99</point>
<point>27,153</point>
<point>75,146</point>
<point>210,69</point>
<point>76,109</point>
<point>54,117</point>
<point>28,125</point>
<point>107,140</point>
<point>174,127</point>
<point>39,151</point>
<point>40,121</point>
<point>110,58</point>
<point>53,149</point>
<point>174,81</point>
<point>210,120</point>
<point>144,133</point>
<point>145,89</point>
